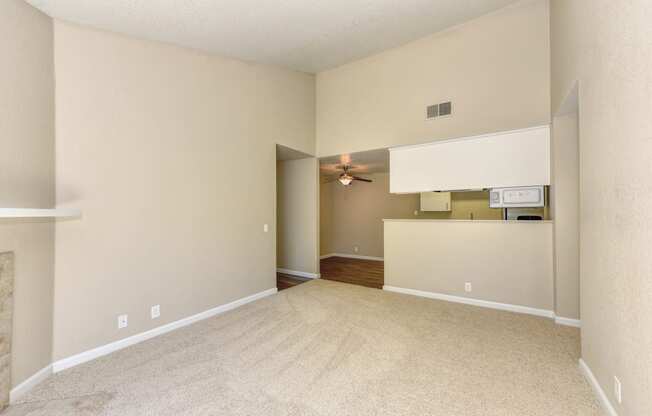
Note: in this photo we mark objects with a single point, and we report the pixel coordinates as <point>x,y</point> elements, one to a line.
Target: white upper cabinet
<point>506,159</point>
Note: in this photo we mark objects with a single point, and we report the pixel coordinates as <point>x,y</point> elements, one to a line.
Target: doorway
<point>354,199</point>
<point>297,217</point>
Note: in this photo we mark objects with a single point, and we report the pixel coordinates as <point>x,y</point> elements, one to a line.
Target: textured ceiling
<point>306,35</point>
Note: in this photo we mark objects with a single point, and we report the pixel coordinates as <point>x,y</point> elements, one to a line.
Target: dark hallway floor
<point>368,273</point>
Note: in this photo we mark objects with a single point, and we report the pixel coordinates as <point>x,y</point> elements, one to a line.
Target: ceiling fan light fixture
<point>346,179</point>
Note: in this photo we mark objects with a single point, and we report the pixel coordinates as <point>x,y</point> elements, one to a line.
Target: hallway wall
<point>565,200</point>
<point>297,224</point>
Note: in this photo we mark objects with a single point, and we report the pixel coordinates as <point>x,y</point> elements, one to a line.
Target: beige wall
<point>357,212</point>
<point>606,46</point>
<point>27,177</point>
<point>352,216</point>
<point>325,218</point>
<point>495,69</point>
<point>26,107</point>
<point>170,154</point>
<point>564,193</point>
<point>511,262</point>
<point>297,224</point>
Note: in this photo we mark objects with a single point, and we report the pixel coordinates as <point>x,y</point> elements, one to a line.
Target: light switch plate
<point>156,311</point>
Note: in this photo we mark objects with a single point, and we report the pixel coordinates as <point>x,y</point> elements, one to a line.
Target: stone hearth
<point>6,323</point>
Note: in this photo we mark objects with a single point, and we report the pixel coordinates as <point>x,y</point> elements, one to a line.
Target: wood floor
<point>285,281</point>
<point>369,273</point>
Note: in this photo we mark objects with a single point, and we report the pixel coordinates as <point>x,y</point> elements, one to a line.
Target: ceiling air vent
<point>439,110</point>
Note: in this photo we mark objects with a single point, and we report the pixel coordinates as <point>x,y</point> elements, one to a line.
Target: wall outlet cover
<point>468,287</point>
<point>123,321</point>
<point>156,311</point>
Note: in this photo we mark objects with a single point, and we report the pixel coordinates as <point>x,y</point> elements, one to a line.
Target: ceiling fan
<point>347,179</point>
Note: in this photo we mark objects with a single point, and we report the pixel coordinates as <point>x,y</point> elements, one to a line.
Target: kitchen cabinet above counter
<point>504,159</point>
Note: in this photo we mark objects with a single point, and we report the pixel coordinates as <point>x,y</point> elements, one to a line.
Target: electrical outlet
<point>468,287</point>
<point>618,390</point>
<point>156,311</point>
<point>266,227</point>
<point>416,213</point>
<point>355,249</point>
<point>123,321</point>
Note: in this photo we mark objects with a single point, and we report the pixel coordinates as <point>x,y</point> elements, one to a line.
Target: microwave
<point>517,197</point>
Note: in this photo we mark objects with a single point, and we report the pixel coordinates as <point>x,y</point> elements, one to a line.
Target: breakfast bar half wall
<point>498,264</point>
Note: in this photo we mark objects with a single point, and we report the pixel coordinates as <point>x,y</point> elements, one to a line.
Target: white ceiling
<point>306,35</point>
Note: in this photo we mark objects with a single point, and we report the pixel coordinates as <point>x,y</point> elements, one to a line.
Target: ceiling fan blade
<point>357,178</point>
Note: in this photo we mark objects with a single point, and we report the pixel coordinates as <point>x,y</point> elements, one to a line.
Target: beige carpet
<point>328,348</point>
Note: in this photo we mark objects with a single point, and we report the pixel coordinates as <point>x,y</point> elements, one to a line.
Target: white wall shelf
<point>39,213</point>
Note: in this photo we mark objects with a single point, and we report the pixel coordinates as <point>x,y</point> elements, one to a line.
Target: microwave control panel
<point>520,197</point>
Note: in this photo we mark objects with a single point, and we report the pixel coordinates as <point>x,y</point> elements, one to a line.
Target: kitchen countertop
<point>483,221</point>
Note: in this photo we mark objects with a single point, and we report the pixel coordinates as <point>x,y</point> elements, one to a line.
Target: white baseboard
<point>597,389</point>
<point>89,355</point>
<point>475,302</point>
<point>560,320</point>
<point>352,256</point>
<point>20,390</point>
<point>298,273</point>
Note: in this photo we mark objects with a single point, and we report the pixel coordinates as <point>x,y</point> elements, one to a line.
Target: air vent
<point>439,110</point>
<point>445,109</point>
<point>432,111</point>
